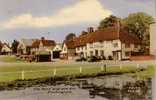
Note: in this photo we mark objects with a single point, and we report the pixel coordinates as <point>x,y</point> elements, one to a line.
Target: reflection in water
<point>118,87</point>
<point>112,87</point>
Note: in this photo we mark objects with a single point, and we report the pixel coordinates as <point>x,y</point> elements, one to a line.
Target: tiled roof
<point>70,44</point>
<point>126,37</point>
<point>111,33</point>
<point>5,44</point>
<point>44,42</point>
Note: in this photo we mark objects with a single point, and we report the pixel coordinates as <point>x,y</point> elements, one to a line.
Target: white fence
<point>100,67</point>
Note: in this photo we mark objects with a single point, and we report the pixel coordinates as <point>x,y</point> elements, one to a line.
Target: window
<point>127,45</point>
<point>85,47</point>
<point>102,53</point>
<point>135,46</point>
<point>96,52</point>
<point>78,49</point>
<point>65,49</point>
<point>127,54</point>
<point>115,45</point>
<point>91,53</point>
<point>91,45</point>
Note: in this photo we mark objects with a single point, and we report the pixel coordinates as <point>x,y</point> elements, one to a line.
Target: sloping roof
<point>126,37</point>
<point>70,44</point>
<point>44,42</point>
<point>6,47</point>
<point>98,35</point>
<point>111,33</point>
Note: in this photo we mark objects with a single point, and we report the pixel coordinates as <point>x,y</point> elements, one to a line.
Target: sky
<point>54,19</point>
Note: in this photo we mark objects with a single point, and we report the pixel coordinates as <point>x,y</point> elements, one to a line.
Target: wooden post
<point>102,68</point>
<point>138,66</point>
<point>80,69</point>
<point>105,66</point>
<point>22,75</point>
<point>120,66</point>
<point>54,72</point>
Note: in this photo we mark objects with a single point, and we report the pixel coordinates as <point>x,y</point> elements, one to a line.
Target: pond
<point>112,87</point>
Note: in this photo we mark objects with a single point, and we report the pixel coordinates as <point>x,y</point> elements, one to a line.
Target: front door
<point>56,54</point>
<point>115,55</point>
<point>96,53</point>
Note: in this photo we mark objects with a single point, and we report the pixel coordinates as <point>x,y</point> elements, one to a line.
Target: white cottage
<point>6,49</point>
<point>25,45</point>
<point>68,50</point>
<point>110,42</point>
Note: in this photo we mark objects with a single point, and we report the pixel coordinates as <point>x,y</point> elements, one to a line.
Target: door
<point>56,54</point>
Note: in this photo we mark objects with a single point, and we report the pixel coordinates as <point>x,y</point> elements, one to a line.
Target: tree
<point>108,22</point>
<point>70,36</point>
<point>1,46</point>
<point>138,24</point>
<point>14,46</point>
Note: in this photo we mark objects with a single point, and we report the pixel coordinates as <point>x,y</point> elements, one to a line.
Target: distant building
<point>68,50</point>
<point>6,49</point>
<point>25,46</point>
<point>153,39</point>
<point>43,49</point>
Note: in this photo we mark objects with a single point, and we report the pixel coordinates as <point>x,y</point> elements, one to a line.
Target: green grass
<point>13,71</point>
<point>148,73</point>
<point>47,70</point>
<point>9,59</point>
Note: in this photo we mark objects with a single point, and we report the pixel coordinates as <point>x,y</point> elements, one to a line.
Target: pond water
<point>112,87</point>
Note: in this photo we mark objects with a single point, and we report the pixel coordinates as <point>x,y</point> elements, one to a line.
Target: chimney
<point>118,28</point>
<point>42,38</point>
<point>90,29</point>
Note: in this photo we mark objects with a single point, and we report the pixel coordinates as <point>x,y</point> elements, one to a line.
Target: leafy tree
<point>138,24</point>
<point>14,46</point>
<point>70,36</point>
<point>0,46</point>
<point>108,22</point>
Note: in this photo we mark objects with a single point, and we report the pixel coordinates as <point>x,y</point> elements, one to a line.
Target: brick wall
<point>148,57</point>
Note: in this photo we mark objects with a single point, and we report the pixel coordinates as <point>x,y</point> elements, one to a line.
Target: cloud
<point>84,11</point>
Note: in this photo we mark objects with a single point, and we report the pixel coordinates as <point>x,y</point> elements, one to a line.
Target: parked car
<point>81,59</point>
<point>110,58</point>
<point>93,59</point>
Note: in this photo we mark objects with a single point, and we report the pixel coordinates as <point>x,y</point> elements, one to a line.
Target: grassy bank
<point>9,59</point>
<point>48,79</point>
<point>33,71</point>
<point>37,74</point>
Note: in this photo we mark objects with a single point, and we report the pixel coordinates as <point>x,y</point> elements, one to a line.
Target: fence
<point>29,74</point>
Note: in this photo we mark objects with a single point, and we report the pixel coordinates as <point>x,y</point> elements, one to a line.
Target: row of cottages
<point>42,49</point>
<point>112,41</point>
